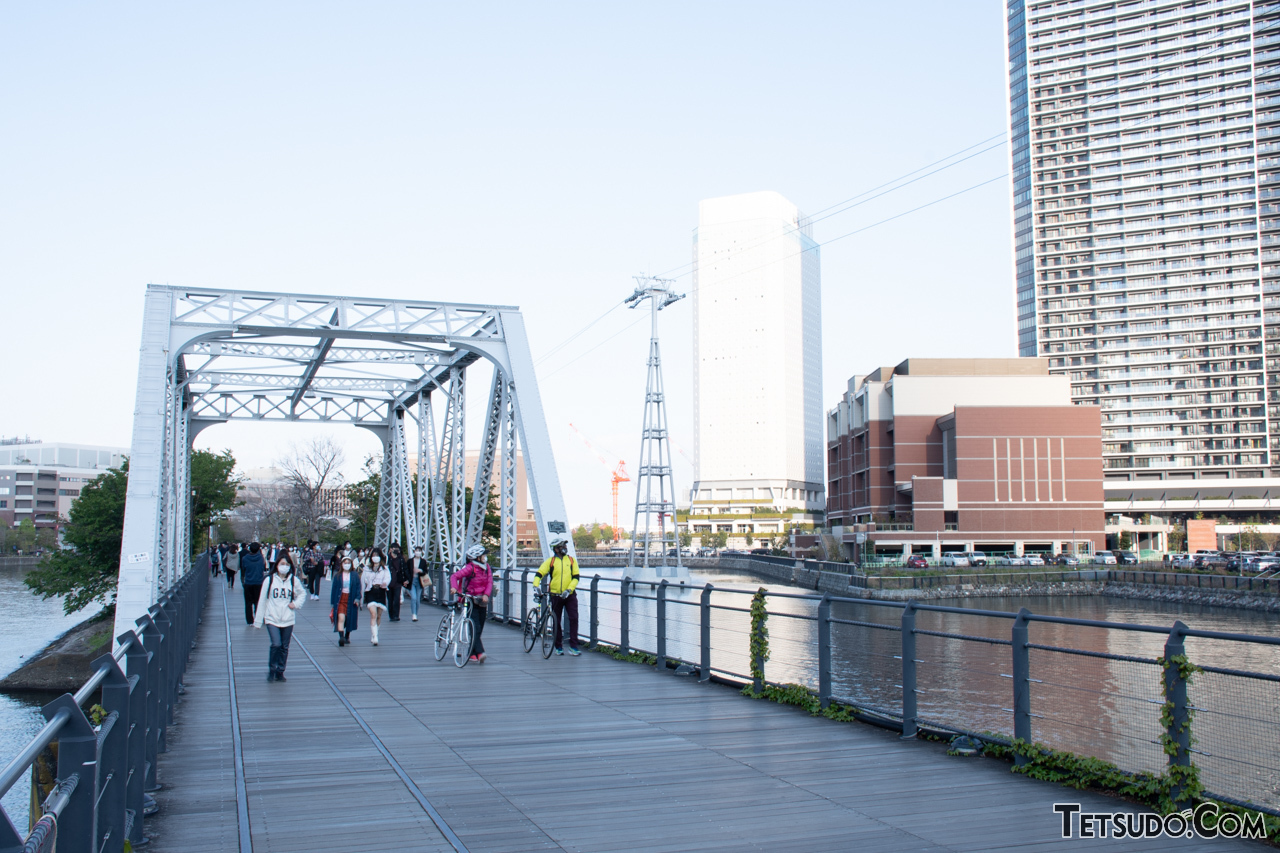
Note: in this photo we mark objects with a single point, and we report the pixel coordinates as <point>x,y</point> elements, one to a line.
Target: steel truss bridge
<point>387,365</point>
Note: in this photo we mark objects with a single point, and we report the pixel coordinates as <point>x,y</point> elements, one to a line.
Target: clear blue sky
<point>537,154</point>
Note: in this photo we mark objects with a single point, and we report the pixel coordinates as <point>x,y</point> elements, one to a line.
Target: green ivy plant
<point>630,657</point>
<point>759,640</point>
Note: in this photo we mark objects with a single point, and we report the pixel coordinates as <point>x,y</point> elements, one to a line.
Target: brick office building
<point>940,455</point>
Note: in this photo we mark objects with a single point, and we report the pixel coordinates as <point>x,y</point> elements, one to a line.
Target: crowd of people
<point>277,579</point>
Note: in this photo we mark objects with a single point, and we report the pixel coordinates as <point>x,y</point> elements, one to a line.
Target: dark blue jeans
<point>279,654</point>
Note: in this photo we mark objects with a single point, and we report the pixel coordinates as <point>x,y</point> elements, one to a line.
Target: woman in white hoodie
<point>282,594</point>
<point>375,580</point>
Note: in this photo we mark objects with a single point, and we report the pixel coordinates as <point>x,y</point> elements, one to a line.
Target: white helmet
<point>475,551</point>
<point>557,541</point>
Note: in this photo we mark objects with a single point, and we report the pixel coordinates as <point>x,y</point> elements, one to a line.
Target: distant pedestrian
<point>345,590</point>
<point>231,564</point>
<point>420,580</point>
<point>563,589</point>
<point>312,567</point>
<point>214,562</point>
<point>253,568</point>
<point>282,595</point>
<point>476,580</point>
<point>399,580</point>
<point>375,582</point>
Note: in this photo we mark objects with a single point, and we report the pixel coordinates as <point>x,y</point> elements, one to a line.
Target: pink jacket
<point>473,579</point>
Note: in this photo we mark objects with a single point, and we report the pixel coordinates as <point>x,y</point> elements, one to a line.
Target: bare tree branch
<point>309,470</point>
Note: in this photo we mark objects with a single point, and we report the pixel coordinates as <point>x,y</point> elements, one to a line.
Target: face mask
<point>376,559</point>
<point>346,565</point>
<point>283,568</point>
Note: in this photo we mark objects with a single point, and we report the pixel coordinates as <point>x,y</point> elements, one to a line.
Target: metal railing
<point>105,771</point>
<point>1088,687</point>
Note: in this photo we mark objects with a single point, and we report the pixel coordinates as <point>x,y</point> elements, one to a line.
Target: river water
<point>30,624</point>
<point>1081,701</point>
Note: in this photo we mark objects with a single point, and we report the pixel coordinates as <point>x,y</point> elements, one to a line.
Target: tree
<point>88,570</point>
<point>686,539</point>
<point>583,538</point>
<point>309,469</point>
<point>1126,541</point>
<point>363,495</point>
<point>24,536</point>
<point>750,539</point>
<point>1177,537</point>
<point>214,488</point>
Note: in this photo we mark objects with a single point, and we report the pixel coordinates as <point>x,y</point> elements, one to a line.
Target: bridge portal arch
<point>397,367</point>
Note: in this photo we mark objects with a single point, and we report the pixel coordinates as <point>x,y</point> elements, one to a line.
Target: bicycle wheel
<point>442,637</point>
<point>531,628</point>
<point>462,647</point>
<point>547,628</point>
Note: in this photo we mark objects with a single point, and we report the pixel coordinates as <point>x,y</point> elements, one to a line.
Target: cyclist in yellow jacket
<point>563,588</point>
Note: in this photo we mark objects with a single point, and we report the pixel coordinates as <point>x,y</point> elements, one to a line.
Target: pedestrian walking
<point>231,564</point>
<point>476,580</point>
<point>312,566</point>
<point>399,580</point>
<point>564,584</point>
<point>214,562</point>
<point>282,595</point>
<point>419,580</point>
<point>252,570</point>
<point>345,591</point>
<point>375,582</point>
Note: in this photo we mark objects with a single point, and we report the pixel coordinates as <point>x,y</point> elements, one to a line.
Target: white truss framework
<point>211,356</point>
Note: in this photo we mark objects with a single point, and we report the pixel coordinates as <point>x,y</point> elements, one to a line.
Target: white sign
<point>144,557</point>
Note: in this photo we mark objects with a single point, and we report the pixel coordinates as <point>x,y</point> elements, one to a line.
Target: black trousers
<point>393,601</point>
<point>251,593</point>
<point>313,581</point>
<point>558,606</point>
<point>479,613</point>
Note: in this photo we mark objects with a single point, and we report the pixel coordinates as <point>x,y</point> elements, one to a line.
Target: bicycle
<point>540,622</point>
<point>456,630</point>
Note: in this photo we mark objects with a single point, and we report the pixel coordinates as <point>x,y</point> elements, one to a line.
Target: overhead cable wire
<point>577,334</point>
<point>852,201</point>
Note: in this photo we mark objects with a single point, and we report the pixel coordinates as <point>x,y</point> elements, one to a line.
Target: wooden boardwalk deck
<point>586,754</point>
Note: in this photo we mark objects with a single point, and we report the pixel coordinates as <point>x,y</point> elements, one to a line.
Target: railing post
<point>624,616</point>
<point>824,651</point>
<point>135,780</point>
<point>594,620</point>
<point>165,683</point>
<point>662,626</point>
<point>909,670</point>
<point>151,640</point>
<point>1021,682</point>
<point>77,756</point>
<point>113,764</point>
<point>1175,693</point>
<point>704,641</point>
<point>757,660</point>
<point>524,595</point>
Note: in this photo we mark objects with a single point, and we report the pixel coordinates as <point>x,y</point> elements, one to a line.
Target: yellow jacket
<point>564,573</point>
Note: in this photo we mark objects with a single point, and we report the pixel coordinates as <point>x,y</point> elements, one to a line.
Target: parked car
<point>956,560</point>
<point>977,558</point>
<point>1009,560</point>
<point>1105,558</point>
<point>915,561</point>
<point>764,551</point>
<point>1126,558</point>
<point>1066,560</point>
<point>1034,560</point>
<point>1182,561</point>
<point>1210,560</point>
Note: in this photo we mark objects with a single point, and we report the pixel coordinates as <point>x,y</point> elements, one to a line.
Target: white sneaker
<point>415,619</point>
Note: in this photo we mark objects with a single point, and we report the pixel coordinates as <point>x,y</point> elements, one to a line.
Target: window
<point>22,490</point>
<point>46,491</point>
<point>22,504</point>
<point>69,493</point>
<point>46,504</point>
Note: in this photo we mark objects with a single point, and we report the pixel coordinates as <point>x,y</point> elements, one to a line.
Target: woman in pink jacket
<point>475,579</point>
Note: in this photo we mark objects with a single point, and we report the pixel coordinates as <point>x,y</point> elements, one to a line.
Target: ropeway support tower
<point>396,367</point>
<point>655,483</point>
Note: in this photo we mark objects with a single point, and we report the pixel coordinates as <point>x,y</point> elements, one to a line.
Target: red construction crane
<point>619,476</point>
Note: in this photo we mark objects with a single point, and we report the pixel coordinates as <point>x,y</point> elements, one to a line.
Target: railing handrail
<point>100,801</point>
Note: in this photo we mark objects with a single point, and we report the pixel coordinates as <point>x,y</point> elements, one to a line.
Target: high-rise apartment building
<point>40,480</point>
<point>757,358</point>
<point>1145,144</point>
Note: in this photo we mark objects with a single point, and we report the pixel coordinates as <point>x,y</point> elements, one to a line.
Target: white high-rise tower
<point>757,363</point>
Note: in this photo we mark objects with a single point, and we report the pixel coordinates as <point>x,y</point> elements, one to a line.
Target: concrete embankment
<point>65,664</point>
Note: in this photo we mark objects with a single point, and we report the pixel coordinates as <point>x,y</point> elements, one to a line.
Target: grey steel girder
<point>484,465</point>
<point>209,356</point>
